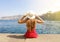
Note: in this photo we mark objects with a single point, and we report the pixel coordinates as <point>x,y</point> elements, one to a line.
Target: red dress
<point>31,34</point>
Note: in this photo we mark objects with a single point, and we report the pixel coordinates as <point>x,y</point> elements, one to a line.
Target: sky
<point>19,7</point>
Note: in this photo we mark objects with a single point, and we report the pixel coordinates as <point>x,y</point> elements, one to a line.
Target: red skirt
<point>31,34</point>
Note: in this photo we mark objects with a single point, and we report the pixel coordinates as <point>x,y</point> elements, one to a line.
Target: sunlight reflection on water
<point>12,26</point>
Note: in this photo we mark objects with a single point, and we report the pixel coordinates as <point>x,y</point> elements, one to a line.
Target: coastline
<point>6,37</point>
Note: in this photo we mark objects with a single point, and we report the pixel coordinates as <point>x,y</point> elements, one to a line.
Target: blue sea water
<point>12,26</point>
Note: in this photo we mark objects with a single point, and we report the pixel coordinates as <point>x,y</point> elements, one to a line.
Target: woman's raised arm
<point>22,20</point>
<point>39,20</point>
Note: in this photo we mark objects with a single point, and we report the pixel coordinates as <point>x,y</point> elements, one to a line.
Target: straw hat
<point>30,15</point>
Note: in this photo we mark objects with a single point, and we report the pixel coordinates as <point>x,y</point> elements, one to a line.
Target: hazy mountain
<point>11,17</point>
<point>47,16</point>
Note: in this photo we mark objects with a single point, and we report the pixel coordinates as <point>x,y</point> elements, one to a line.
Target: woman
<point>30,21</point>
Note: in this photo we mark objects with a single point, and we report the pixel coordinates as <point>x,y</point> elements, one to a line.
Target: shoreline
<point>6,37</point>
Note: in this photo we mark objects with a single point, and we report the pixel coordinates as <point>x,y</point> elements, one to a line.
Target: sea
<point>12,26</point>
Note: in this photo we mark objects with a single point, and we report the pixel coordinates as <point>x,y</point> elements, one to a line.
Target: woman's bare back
<point>30,24</point>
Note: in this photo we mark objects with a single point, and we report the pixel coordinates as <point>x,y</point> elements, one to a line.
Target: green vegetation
<point>51,16</point>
